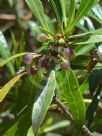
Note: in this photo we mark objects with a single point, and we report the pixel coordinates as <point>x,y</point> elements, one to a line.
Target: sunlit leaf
<point>43,102</point>
<point>6,88</point>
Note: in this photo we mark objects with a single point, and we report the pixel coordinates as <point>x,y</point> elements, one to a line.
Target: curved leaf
<point>17,55</point>
<point>5,89</point>
<point>43,102</point>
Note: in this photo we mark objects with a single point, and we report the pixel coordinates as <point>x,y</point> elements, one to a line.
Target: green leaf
<point>63,7</point>
<point>30,132</point>
<point>69,86</point>
<point>5,53</point>
<point>71,13</point>
<point>79,61</point>
<point>84,7</point>
<point>43,102</point>
<point>56,126</point>
<point>29,87</point>
<point>94,32</point>
<point>53,4</point>
<point>5,89</point>
<point>38,11</point>
<point>21,123</point>
<point>84,49</point>
<point>97,11</point>
<point>92,39</point>
<point>17,55</point>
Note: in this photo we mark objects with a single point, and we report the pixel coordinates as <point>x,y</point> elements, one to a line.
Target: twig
<point>12,17</point>
<point>85,130</point>
<point>64,109</point>
<point>7,17</point>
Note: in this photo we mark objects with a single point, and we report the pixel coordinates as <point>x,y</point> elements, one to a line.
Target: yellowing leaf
<point>5,89</point>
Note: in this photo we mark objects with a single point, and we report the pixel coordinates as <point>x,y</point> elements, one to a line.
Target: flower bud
<point>61,41</point>
<point>28,59</point>
<point>67,52</point>
<point>42,37</point>
<point>58,35</point>
<point>65,64</point>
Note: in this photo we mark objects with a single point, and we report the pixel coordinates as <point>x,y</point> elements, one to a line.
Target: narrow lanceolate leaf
<point>92,39</point>
<point>43,102</point>
<point>53,5</point>
<point>5,53</point>
<point>16,56</point>
<point>71,13</point>
<point>6,88</point>
<point>94,32</point>
<point>85,6</point>
<point>70,89</point>
<point>63,7</point>
<point>38,11</point>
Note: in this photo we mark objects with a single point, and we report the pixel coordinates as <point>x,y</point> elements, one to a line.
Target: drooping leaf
<point>43,102</point>
<point>6,88</point>
<point>5,53</point>
<point>69,87</point>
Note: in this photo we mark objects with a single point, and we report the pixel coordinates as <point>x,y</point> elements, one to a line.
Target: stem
<point>64,109</point>
<point>85,131</point>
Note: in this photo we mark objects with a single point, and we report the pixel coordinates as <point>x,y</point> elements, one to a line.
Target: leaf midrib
<point>72,96</point>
